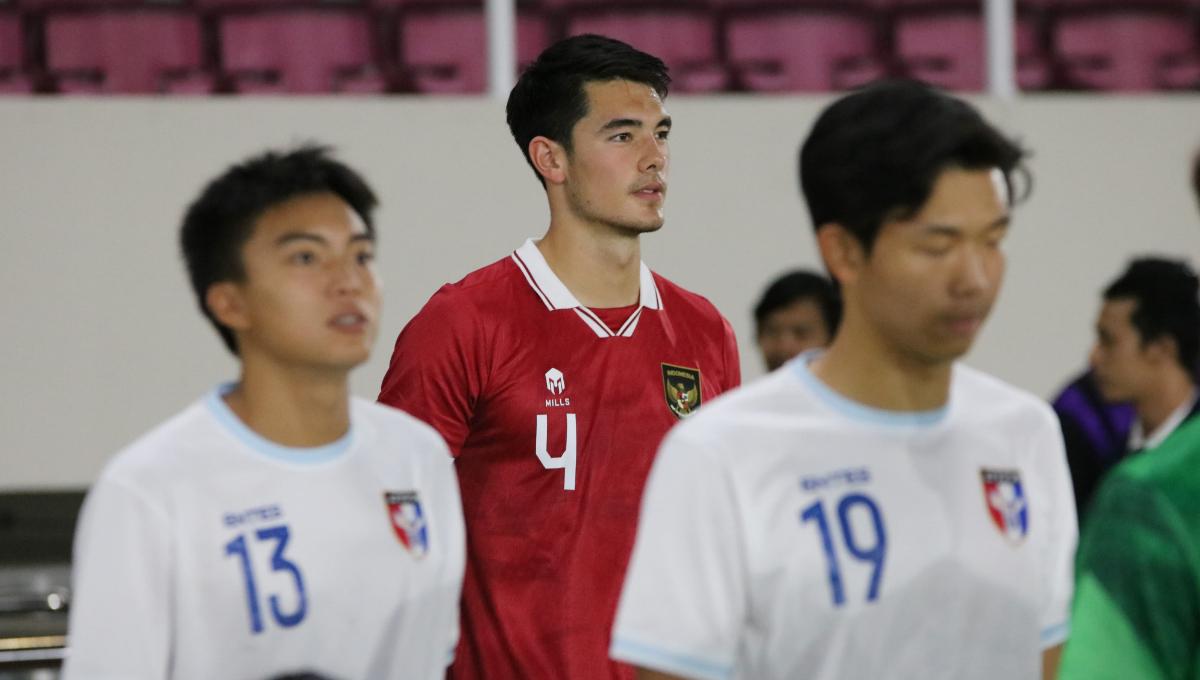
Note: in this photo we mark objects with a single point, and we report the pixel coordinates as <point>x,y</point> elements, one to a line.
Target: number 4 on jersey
<point>565,462</point>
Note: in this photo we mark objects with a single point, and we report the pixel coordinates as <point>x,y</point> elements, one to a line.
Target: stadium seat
<point>302,51</point>
<point>948,51</point>
<point>685,40</point>
<point>569,5</point>
<point>239,5</point>
<point>802,51</point>
<point>12,48</point>
<point>126,52</point>
<point>444,52</point>
<point>1133,52</point>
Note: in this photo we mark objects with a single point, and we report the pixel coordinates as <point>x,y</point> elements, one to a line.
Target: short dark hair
<point>801,285</point>
<point>875,154</point>
<point>1166,304</point>
<point>549,97</point>
<point>220,221</point>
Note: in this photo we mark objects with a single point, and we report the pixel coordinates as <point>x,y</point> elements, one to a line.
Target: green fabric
<point>1137,602</point>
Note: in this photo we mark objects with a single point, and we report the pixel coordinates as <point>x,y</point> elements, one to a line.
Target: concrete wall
<point>102,339</point>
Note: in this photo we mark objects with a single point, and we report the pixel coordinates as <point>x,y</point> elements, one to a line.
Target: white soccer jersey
<point>205,551</point>
<point>788,532</point>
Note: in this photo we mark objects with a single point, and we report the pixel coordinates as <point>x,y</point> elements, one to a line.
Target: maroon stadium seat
<point>569,5</point>
<point>948,51</point>
<point>802,51</point>
<point>126,52</point>
<point>302,51</point>
<point>1127,51</point>
<point>444,52</point>
<point>685,40</point>
<point>12,46</point>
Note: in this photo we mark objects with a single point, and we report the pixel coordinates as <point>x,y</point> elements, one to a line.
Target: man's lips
<point>652,190</point>
<point>349,322</point>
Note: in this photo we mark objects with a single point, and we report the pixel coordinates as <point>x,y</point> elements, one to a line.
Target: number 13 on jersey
<point>872,550</point>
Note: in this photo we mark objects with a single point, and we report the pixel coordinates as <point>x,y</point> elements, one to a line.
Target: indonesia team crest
<point>681,387</point>
<point>408,520</point>
<point>1006,503</point>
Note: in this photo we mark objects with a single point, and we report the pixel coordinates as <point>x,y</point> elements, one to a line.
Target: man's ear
<point>1162,349</point>
<point>549,158</point>
<point>842,252</point>
<point>227,305</point>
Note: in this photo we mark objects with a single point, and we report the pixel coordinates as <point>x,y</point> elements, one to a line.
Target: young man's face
<point>1120,360</point>
<point>791,330</point>
<point>310,297</point>
<point>930,281</point>
<point>617,168</point>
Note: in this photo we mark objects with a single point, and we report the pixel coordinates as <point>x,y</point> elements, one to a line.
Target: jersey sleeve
<point>1057,569</point>
<point>120,620</point>
<point>683,604</point>
<point>435,372</point>
<point>733,363</point>
<point>456,537</point>
<point>1137,609</point>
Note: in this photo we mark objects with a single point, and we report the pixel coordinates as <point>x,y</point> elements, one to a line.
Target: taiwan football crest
<point>681,387</point>
<point>1006,503</point>
<point>408,520</point>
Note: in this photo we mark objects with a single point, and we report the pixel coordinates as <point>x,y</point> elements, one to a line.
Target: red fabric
<point>614,317</point>
<point>545,565</point>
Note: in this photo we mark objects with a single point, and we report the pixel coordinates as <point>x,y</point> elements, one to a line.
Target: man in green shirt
<point>1137,597</point>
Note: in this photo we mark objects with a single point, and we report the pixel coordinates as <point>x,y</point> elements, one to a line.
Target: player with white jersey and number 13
<point>277,526</point>
<point>877,509</point>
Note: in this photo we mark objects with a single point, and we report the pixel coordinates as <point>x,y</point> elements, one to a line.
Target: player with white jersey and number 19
<point>875,510</point>
<point>277,526</point>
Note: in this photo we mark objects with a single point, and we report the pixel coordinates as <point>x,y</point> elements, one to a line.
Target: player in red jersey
<point>554,373</point>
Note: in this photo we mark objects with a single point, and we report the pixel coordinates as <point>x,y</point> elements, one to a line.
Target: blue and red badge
<point>408,521</point>
<point>1006,502</point>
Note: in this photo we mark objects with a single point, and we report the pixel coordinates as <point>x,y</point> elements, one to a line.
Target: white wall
<point>102,339</point>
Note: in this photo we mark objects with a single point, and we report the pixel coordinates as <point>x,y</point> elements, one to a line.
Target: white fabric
<point>555,295</point>
<point>729,580</point>
<point>1137,434</point>
<point>160,580</point>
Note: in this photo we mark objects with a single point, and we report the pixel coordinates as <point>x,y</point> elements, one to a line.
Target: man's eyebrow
<point>950,230</point>
<point>621,123</point>
<point>293,236</point>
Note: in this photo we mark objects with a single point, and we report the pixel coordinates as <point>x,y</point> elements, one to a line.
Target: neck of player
<point>600,266</point>
<point>295,407</point>
<point>1172,391</point>
<point>860,365</point>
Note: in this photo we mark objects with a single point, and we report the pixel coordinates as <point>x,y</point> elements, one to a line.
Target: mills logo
<point>556,383</point>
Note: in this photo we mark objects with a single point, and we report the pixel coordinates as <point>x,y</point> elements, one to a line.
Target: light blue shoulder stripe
<point>1055,635</point>
<point>860,412</point>
<point>653,658</point>
<point>259,444</point>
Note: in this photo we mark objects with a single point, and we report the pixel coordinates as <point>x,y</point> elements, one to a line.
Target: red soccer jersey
<point>554,419</point>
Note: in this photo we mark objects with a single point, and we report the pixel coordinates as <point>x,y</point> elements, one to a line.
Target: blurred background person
<point>797,312</point>
<point>1144,360</point>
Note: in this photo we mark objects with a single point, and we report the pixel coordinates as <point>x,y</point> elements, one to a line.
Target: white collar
<point>1137,435</point>
<point>555,295</point>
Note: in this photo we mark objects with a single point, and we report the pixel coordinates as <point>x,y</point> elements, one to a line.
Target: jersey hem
<point>650,657</point>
